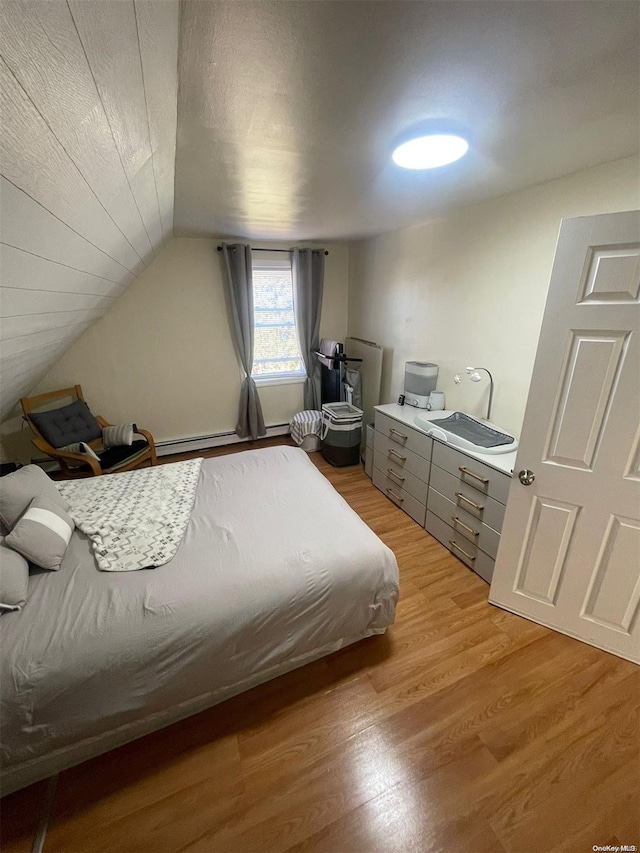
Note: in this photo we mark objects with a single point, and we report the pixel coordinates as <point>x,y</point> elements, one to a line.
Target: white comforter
<point>273,571</point>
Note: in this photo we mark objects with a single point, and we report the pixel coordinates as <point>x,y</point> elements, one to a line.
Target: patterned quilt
<point>135,520</point>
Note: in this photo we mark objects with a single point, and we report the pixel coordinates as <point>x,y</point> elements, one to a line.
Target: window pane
<point>273,368</point>
<point>273,317</point>
<point>275,343</point>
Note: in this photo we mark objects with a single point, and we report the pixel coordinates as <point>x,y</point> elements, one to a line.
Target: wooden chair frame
<point>63,457</point>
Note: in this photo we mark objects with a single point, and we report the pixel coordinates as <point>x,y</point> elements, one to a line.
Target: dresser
<point>401,465</point>
<point>459,497</point>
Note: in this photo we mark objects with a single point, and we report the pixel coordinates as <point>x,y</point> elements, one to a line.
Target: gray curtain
<point>239,285</point>
<point>307,271</point>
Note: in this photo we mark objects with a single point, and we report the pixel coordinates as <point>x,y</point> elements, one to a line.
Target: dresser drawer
<point>400,478</point>
<point>404,436</point>
<point>470,554</point>
<point>464,523</point>
<point>402,457</point>
<point>481,507</point>
<point>401,498</point>
<point>473,473</point>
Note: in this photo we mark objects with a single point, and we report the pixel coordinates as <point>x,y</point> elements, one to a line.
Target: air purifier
<point>420,379</point>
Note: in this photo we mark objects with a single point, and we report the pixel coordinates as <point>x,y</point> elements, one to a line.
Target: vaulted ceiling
<point>285,117</point>
<point>88,132</point>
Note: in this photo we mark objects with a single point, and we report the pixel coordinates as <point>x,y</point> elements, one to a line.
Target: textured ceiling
<point>288,111</point>
<point>286,117</point>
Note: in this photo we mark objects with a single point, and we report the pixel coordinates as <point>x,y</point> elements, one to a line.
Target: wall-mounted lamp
<point>474,376</point>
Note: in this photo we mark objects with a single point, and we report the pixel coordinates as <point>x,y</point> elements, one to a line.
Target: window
<point>276,354</point>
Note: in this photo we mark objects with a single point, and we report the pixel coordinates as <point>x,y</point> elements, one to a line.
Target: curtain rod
<point>275,250</point>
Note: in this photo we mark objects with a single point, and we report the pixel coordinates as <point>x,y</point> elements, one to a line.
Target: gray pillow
<point>42,534</point>
<point>17,490</point>
<point>14,578</point>
<point>68,424</point>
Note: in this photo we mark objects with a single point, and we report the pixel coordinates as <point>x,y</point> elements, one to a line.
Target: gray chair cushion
<point>67,425</point>
<point>113,456</point>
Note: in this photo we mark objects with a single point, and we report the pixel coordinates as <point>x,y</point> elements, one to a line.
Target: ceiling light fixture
<point>431,151</point>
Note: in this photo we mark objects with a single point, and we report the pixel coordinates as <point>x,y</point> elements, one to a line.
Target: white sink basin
<point>472,434</point>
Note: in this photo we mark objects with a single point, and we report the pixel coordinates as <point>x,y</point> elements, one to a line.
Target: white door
<point>569,553</point>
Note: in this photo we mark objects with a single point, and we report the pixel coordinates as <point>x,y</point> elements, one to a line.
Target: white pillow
<point>80,447</point>
<point>118,435</point>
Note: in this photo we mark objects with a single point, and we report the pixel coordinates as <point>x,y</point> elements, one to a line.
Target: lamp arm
<point>470,371</point>
<point>490,391</point>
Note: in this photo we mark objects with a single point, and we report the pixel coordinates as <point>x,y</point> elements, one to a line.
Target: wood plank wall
<point>88,109</point>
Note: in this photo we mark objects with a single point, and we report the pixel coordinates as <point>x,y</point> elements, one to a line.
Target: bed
<point>274,570</point>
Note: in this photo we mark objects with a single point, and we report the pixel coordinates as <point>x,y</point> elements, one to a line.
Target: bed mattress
<point>274,570</point>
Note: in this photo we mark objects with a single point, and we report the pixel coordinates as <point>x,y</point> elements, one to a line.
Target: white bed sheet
<point>274,570</point>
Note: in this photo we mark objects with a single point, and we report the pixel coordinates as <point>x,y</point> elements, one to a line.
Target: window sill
<point>290,379</point>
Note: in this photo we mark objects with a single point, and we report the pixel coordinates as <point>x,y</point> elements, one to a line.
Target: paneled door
<point>569,554</point>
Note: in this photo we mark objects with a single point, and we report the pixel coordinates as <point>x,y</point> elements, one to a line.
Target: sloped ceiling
<point>287,115</point>
<point>88,130</point>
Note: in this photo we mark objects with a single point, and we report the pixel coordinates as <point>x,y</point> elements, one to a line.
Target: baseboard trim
<point>218,439</point>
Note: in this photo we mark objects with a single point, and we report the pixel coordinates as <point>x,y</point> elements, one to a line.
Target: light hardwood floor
<point>464,729</point>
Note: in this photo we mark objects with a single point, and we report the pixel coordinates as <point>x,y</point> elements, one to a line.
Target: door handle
<point>526,477</point>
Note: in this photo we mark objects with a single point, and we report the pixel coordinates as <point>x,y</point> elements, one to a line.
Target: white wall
<point>470,288</point>
<point>163,355</point>
<point>88,104</point>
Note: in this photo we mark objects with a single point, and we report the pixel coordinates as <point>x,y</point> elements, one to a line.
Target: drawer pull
<point>455,545</point>
<point>463,470</point>
<point>458,523</point>
<point>391,473</point>
<point>391,452</point>
<point>394,496</point>
<point>393,432</point>
<point>464,498</point>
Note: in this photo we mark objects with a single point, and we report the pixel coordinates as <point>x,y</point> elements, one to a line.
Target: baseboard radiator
<point>203,442</point>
